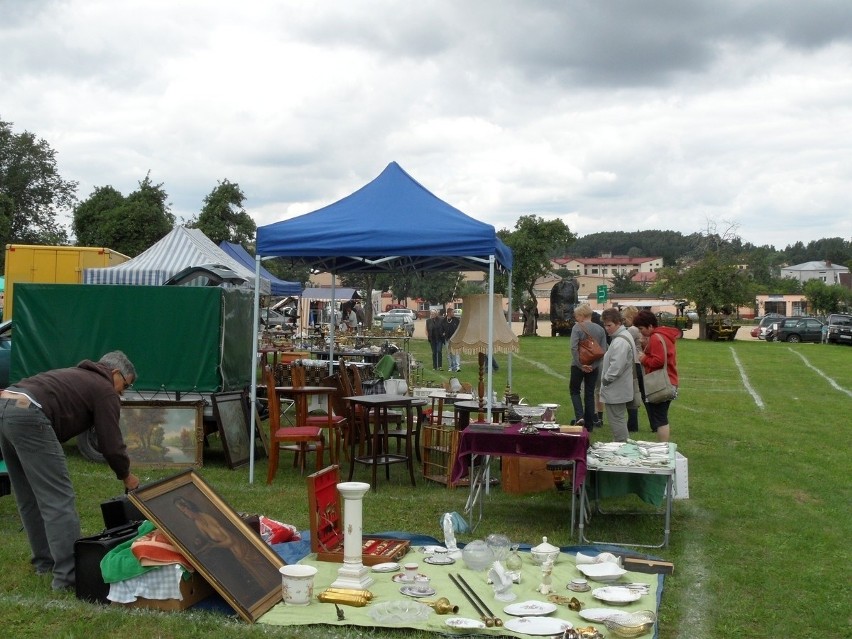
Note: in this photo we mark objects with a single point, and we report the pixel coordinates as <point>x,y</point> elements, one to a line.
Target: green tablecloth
<point>384,589</point>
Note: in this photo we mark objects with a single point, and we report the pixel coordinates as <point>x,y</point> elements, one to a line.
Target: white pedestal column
<point>353,573</point>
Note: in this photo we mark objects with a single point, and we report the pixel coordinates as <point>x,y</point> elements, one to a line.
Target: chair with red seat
<point>300,436</point>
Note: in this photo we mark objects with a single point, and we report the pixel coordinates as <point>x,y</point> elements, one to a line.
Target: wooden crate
<point>326,522</point>
<point>526,475</point>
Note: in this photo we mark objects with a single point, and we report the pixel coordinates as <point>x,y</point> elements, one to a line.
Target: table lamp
<point>472,336</point>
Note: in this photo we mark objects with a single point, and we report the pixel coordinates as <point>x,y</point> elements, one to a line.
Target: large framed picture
<point>230,410</point>
<point>163,433</point>
<point>239,565</point>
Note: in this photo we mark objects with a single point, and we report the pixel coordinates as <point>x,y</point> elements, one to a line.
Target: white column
<point>353,573</point>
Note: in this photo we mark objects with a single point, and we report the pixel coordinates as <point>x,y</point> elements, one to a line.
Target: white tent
<point>180,249</point>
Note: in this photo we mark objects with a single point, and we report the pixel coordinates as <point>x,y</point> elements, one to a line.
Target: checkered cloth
<point>160,583</point>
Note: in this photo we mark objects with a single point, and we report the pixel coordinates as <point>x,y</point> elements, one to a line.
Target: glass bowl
<point>633,624</point>
<point>530,414</point>
<point>477,555</point>
<point>400,611</point>
<point>499,546</point>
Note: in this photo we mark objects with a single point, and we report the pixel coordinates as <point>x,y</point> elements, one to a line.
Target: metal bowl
<point>530,414</point>
<point>633,624</point>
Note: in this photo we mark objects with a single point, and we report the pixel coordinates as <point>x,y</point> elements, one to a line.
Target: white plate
<point>530,608</point>
<point>605,571</point>
<point>547,426</point>
<point>389,566</point>
<point>401,578</point>
<point>616,594</point>
<point>436,560</point>
<point>537,625</point>
<point>599,615</point>
<point>462,622</point>
<point>430,550</point>
<point>411,592</point>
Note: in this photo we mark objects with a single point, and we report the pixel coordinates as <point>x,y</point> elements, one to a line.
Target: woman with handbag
<point>584,366</point>
<point>617,374</point>
<point>659,361</point>
<point>627,315</point>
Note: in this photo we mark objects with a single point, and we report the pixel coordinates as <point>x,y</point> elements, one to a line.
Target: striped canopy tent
<point>178,250</point>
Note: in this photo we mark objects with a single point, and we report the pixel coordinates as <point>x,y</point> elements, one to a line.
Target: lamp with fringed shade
<point>472,335</point>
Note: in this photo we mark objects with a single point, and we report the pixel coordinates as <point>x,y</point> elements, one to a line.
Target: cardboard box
<point>526,475</point>
<point>326,520</point>
<point>681,478</point>
<point>192,590</point>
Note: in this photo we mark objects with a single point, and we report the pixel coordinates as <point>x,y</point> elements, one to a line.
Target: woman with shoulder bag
<point>584,374</point>
<point>659,354</point>
<point>617,374</point>
<point>628,314</point>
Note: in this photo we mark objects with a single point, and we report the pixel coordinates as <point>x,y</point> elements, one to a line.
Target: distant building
<point>608,265</point>
<point>823,271</point>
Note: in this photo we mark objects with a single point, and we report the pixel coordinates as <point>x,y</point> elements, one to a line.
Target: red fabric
<point>274,532</point>
<point>654,352</point>
<point>155,549</point>
<point>298,431</point>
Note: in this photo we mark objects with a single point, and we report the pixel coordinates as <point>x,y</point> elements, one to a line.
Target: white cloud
<point>616,115</point>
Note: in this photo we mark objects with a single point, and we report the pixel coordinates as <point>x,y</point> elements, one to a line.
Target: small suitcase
<point>88,552</point>
<point>119,511</point>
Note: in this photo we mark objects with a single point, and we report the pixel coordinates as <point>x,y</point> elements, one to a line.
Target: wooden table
<point>500,441</point>
<point>464,410</point>
<point>375,432</point>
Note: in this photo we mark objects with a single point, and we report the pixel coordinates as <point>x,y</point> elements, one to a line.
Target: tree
<point>129,224</point>
<point>623,283</point>
<point>532,242</point>
<point>31,190</point>
<point>223,218</point>
<point>822,298</point>
<point>712,280</point>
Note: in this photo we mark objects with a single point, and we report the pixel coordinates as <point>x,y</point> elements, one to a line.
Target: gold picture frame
<point>231,556</point>
<point>163,433</point>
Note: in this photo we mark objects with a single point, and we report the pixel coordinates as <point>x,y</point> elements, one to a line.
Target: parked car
<point>839,328</point>
<point>764,325</point>
<point>796,329</point>
<point>270,318</point>
<point>398,322</point>
<point>407,312</point>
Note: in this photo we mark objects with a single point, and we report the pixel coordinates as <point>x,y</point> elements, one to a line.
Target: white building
<point>823,271</point>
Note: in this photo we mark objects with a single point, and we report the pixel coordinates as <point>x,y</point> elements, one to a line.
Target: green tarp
<point>181,339</point>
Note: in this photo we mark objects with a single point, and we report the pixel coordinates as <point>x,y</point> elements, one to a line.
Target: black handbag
<point>88,552</point>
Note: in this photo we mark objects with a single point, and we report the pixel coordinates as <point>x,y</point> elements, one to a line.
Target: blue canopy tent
<point>280,288</point>
<point>391,224</point>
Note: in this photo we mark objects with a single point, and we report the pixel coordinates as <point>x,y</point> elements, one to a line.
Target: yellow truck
<point>52,265</point>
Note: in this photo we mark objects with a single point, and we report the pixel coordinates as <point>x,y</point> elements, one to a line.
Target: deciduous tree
<point>223,218</point>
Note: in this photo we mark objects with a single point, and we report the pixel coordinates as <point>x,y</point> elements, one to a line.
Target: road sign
<point>602,293</point>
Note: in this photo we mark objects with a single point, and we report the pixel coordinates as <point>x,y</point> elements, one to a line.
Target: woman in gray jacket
<point>617,373</point>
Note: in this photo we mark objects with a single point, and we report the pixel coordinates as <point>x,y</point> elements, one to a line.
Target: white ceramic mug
<point>421,584</point>
<point>297,584</point>
<point>410,572</point>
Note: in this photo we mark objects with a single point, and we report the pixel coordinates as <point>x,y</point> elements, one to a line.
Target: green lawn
<point>759,547</point>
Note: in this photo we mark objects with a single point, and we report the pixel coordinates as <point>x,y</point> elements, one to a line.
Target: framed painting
<point>230,410</point>
<point>163,433</point>
<point>239,565</point>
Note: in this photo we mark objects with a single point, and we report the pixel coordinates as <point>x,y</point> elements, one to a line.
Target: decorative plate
<point>401,578</point>
<point>462,622</point>
<point>437,560</point>
<point>529,608</point>
<point>430,550</point>
<point>547,426</point>
<point>411,592</point>
<point>599,615</point>
<point>389,566</point>
<point>616,594</point>
<point>400,611</point>
<point>537,625</point>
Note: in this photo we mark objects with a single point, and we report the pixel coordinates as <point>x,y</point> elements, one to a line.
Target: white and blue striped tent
<point>180,249</point>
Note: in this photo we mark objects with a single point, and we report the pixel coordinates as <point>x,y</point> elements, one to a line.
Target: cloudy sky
<point>611,115</point>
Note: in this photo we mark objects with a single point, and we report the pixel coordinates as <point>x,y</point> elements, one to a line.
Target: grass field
<point>759,547</point>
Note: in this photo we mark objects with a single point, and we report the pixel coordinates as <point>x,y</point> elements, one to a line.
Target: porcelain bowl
<point>603,572</point>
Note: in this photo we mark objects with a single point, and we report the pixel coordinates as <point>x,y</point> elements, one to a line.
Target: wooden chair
<point>297,438</point>
<point>399,433</point>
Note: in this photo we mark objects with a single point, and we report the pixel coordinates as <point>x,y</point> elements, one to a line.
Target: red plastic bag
<point>274,532</point>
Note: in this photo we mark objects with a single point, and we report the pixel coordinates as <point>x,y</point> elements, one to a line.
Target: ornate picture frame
<point>163,433</point>
<point>230,411</point>
<point>233,558</point>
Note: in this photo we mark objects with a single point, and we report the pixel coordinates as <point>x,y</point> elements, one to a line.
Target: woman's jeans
<point>587,381</point>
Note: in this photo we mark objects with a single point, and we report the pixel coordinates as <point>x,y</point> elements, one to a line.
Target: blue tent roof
<point>279,287</point>
<point>390,224</point>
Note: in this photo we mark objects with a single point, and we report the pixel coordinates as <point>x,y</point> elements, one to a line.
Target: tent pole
<point>331,323</point>
<point>490,387</point>
<point>509,366</point>
<point>254,361</point>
